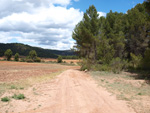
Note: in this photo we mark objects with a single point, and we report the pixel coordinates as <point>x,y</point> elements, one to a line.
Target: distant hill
<point>24,50</point>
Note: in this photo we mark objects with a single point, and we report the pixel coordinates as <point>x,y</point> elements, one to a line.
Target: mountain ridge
<point>24,49</point>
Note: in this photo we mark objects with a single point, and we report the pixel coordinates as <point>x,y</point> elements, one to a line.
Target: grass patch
<point>117,83</point>
<point>13,87</point>
<point>126,87</point>
<point>5,99</point>
<point>18,97</point>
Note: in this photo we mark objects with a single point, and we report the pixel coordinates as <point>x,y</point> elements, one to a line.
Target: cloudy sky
<point>49,23</point>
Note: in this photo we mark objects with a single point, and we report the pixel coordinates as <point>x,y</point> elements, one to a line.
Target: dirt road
<point>71,92</point>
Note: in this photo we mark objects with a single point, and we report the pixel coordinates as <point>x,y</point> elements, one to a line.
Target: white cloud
<point>39,23</point>
<point>102,14</point>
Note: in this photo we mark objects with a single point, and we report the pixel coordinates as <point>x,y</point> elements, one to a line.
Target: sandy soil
<point>70,92</point>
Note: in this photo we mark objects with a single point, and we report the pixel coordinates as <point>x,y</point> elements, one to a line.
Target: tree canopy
<point>117,36</point>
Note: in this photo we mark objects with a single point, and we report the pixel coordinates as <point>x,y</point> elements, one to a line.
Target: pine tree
<point>86,34</point>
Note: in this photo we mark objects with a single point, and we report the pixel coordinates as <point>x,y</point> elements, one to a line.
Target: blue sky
<point>107,5</point>
<point>49,23</point>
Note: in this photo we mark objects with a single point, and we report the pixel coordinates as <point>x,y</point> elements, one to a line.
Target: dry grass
<point>74,61</point>
<point>125,87</point>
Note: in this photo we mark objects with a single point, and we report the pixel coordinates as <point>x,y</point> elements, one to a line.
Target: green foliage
<point>117,65</point>
<point>5,99</point>
<point>16,57</point>
<point>8,54</point>
<point>86,34</point>
<point>37,59</point>
<point>19,96</point>
<point>85,64</point>
<point>146,60</point>
<point>135,60</point>
<point>32,54</point>
<point>22,60</point>
<point>147,4</point>
<point>29,60</point>
<point>13,87</point>
<point>101,67</point>
<point>59,59</point>
<point>105,51</point>
<point>106,41</point>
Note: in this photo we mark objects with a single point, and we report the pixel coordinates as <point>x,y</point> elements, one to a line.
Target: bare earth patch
<point>70,92</point>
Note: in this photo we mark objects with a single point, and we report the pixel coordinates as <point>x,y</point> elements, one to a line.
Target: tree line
<point>114,42</point>
<point>24,50</point>
<point>32,57</point>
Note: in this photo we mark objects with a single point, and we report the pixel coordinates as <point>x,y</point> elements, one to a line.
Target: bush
<point>86,64</point>
<point>116,65</point>
<point>101,67</point>
<point>33,54</point>
<point>22,60</point>
<point>37,59</point>
<point>5,99</point>
<point>59,59</point>
<point>18,97</point>
<point>16,57</point>
<point>135,60</point>
<point>29,60</point>
<point>8,54</point>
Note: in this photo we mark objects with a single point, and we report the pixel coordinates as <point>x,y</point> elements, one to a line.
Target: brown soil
<point>70,92</point>
<point>11,71</point>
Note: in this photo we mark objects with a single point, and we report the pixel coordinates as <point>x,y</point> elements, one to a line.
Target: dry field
<point>11,71</point>
<point>75,61</point>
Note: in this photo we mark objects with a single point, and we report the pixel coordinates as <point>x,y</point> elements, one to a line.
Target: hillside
<point>24,50</point>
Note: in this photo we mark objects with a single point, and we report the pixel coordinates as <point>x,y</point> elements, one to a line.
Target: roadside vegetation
<point>126,86</point>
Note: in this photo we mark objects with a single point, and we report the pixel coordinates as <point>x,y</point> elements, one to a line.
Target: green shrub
<point>32,54</point>
<point>37,59</point>
<point>59,59</point>
<point>22,60</point>
<point>8,54</point>
<point>13,87</point>
<point>135,60</point>
<point>29,60</point>
<point>85,64</point>
<point>5,99</point>
<point>18,97</point>
<point>16,57</point>
<point>116,65</point>
<point>105,67</point>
